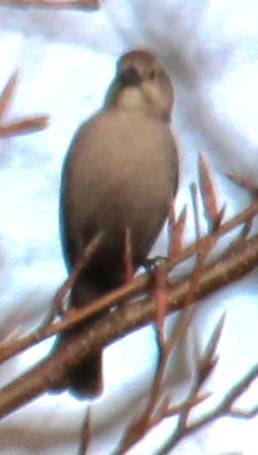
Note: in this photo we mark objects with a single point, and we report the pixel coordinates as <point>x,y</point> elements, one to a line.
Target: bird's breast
<point>119,174</point>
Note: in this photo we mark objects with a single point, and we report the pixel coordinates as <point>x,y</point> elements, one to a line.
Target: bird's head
<point>141,83</point>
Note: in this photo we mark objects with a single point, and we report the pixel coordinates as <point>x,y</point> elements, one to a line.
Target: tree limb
<point>53,4</point>
<point>125,319</point>
<point>136,286</point>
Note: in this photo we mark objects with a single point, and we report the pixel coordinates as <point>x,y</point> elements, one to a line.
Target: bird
<point>119,175</point>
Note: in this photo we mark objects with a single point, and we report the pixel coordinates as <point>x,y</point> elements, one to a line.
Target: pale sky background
<point>67,60</point>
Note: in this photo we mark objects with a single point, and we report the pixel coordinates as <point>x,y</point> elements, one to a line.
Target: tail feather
<point>85,379</point>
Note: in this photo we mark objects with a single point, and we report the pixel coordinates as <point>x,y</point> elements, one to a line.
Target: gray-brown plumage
<point>120,172</point>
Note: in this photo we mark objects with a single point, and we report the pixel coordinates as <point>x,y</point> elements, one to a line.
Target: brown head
<point>141,82</point>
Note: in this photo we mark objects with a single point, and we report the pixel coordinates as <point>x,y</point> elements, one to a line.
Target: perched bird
<point>119,175</point>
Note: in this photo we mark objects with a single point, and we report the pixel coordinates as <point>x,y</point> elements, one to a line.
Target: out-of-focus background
<point>66,61</point>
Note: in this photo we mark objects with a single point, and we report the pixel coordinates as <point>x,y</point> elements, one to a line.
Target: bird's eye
<point>152,75</point>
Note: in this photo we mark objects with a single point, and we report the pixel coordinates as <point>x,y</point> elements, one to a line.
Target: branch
<point>54,4</point>
<point>222,409</point>
<point>22,126</point>
<point>123,320</point>
<point>136,286</point>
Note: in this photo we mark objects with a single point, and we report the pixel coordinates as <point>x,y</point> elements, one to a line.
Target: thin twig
<point>7,94</point>
<point>222,409</point>
<point>85,434</point>
<point>80,264</point>
<point>54,4</point>
<point>160,296</point>
<point>210,204</point>
<point>128,257</point>
<point>22,126</point>
<point>176,231</point>
<point>250,187</point>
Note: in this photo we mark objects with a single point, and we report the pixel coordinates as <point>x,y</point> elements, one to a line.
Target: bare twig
<point>7,94</point>
<point>54,4</point>
<point>128,257</point>
<point>222,409</point>
<point>176,231</point>
<point>194,196</point>
<point>246,229</point>
<point>225,408</point>
<point>80,264</point>
<point>23,126</point>
<point>85,434</point>
<point>213,214</point>
<point>208,361</point>
<point>160,295</point>
<point>251,188</point>
<point>158,406</point>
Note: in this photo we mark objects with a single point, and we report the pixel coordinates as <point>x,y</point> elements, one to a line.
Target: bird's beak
<point>129,77</point>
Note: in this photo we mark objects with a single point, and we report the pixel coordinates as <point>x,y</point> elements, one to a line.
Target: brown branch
<point>69,282</point>
<point>53,4</point>
<point>128,257</point>
<point>243,183</point>
<point>22,126</point>
<point>210,204</point>
<point>160,295</point>
<point>124,320</point>
<point>7,94</point>
<point>85,434</point>
<point>176,231</point>
<point>222,409</point>
<point>205,366</point>
<point>157,406</point>
<point>135,287</point>
<point>244,414</point>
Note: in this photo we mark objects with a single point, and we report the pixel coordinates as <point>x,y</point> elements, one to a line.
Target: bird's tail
<point>85,379</point>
